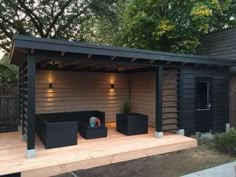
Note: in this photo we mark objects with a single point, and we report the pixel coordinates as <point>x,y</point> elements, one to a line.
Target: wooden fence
<point>9,108</point>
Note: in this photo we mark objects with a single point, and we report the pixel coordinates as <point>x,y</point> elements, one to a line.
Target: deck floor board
<point>87,154</point>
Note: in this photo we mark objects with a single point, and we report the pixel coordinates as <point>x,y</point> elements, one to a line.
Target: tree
<point>51,18</point>
<point>8,72</point>
<point>172,25</point>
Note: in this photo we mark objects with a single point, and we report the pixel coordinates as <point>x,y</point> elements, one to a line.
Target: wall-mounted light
<point>50,85</point>
<point>52,62</point>
<point>112,86</point>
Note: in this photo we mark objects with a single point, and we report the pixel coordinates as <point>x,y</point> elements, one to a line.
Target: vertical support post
<point>23,99</point>
<point>19,100</point>
<point>158,79</point>
<point>227,125</point>
<point>31,107</point>
<point>180,130</point>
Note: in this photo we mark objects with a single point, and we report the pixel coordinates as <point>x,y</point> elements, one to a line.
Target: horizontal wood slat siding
<point>220,44</point>
<point>170,99</point>
<point>220,98</point>
<point>142,95</point>
<point>77,91</point>
<point>223,44</point>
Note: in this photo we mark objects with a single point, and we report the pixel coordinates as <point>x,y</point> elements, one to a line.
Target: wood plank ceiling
<point>87,66</point>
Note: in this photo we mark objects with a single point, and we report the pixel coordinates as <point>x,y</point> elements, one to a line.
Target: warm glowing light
<point>111,92</point>
<point>112,79</point>
<point>112,83</point>
<point>50,77</point>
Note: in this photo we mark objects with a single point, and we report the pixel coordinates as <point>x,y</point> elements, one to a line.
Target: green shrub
<point>226,142</point>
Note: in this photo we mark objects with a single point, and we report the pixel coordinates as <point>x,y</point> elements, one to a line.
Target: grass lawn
<point>166,165</point>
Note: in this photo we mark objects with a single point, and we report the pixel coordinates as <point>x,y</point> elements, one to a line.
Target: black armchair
<point>56,132</point>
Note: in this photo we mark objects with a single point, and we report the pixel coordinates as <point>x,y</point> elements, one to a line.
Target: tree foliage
<point>8,72</point>
<point>166,25</point>
<point>52,18</point>
<point>173,25</point>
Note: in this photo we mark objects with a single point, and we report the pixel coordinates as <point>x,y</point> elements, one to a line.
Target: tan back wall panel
<point>142,95</point>
<point>79,91</point>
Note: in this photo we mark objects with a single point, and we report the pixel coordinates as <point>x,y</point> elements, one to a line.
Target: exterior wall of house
<point>75,91</point>
<point>220,103</point>
<point>233,100</point>
<point>219,44</point>
<point>142,95</point>
<point>223,44</point>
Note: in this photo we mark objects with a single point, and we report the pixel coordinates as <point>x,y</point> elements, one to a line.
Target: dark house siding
<point>221,44</point>
<point>220,98</point>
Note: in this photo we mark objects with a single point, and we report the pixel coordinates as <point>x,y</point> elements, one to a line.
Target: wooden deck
<point>87,154</point>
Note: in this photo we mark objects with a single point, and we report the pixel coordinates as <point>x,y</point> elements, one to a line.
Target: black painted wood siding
<point>220,44</point>
<point>220,98</point>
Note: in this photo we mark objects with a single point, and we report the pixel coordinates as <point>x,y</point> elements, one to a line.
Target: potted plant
<point>126,107</point>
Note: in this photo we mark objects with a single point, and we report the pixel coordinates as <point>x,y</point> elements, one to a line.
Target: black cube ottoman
<point>88,132</point>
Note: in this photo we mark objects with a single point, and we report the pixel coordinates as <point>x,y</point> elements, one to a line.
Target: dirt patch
<point>166,165</point>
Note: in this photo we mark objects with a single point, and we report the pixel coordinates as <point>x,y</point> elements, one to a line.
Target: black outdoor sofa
<point>60,129</point>
<point>132,123</point>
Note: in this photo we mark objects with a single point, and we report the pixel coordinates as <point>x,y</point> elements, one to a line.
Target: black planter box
<point>132,123</point>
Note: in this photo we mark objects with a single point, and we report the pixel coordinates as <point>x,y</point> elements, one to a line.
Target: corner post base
<point>19,128</point>
<point>23,138</point>
<point>180,132</point>
<point>31,153</point>
<point>159,134</point>
<point>227,127</point>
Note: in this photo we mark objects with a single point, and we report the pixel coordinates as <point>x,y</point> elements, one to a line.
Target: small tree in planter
<point>126,107</point>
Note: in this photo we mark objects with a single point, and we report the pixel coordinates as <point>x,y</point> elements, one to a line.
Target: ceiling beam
<point>133,59</point>
<point>101,66</point>
<point>111,68</point>
<point>66,64</point>
<point>62,53</point>
<point>44,64</point>
<point>152,61</point>
<point>90,56</point>
<point>113,58</point>
<point>221,66</point>
<point>32,51</point>
<point>126,68</point>
<point>85,65</point>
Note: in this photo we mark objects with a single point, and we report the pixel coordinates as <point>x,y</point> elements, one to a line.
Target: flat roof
<point>24,45</point>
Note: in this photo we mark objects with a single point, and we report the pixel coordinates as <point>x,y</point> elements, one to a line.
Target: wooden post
<point>31,107</point>
<point>180,130</point>
<point>158,78</point>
